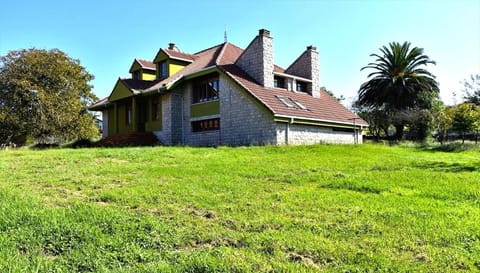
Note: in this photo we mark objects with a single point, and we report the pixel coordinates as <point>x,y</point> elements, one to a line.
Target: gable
<point>135,66</point>
<point>120,91</point>
<point>161,56</point>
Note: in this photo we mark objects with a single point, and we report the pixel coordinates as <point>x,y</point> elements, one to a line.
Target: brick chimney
<point>257,59</point>
<point>307,66</point>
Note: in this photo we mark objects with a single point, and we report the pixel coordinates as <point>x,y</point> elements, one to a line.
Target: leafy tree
<point>465,118</point>
<point>44,94</point>
<point>443,120</point>
<point>471,89</point>
<point>399,83</point>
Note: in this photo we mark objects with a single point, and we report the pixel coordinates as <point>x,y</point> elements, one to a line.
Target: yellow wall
<point>174,68</point>
<point>120,91</point>
<point>148,76</point>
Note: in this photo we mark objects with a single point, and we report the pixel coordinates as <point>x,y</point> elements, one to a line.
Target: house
<point>225,95</point>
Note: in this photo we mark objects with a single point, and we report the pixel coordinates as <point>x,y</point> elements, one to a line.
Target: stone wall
<point>165,136</point>
<point>308,134</point>
<point>243,121</point>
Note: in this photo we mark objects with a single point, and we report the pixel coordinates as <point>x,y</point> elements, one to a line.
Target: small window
<point>156,109</point>
<point>206,90</point>
<point>279,82</point>
<point>301,86</point>
<point>299,104</point>
<point>285,102</point>
<point>137,75</point>
<point>163,71</point>
<point>128,114</point>
<point>206,125</point>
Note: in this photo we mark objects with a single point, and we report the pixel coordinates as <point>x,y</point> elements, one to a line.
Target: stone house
<point>225,95</point>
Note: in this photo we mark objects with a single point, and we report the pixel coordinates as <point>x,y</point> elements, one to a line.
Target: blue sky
<point>107,35</point>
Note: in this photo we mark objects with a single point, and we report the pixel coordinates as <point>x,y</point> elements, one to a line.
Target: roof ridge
<point>207,49</point>
<point>220,55</point>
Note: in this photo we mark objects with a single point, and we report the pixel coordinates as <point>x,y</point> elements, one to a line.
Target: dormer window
<point>301,86</point>
<point>137,75</point>
<point>278,82</point>
<point>163,70</point>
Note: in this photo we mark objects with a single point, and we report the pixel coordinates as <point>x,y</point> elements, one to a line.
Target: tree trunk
<point>398,132</point>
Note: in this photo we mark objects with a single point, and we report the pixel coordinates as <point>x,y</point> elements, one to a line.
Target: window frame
<point>206,90</point>
<point>205,125</point>
<point>303,86</point>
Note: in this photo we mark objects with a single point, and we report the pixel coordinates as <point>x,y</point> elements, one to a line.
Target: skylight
<point>299,104</point>
<point>285,102</point>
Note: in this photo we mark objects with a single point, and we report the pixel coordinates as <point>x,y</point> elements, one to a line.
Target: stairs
<point>127,140</point>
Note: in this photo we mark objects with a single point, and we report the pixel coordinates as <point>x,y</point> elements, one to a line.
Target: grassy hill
<point>251,209</point>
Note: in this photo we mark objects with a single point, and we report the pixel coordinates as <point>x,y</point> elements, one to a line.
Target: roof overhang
<point>313,121</point>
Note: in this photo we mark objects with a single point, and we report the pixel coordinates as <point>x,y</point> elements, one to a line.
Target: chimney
<point>307,66</point>
<point>172,46</point>
<point>257,59</point>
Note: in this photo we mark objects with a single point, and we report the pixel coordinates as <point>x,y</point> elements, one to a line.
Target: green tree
<point>443,121</point>
<point>471,89</point>
<point>465,118</point>
<point>44,94</point>
<point>399,83</point>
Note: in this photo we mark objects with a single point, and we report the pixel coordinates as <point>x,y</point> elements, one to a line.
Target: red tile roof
<point>174,54</point>
<point>146,64</point>
<point>326,108</point>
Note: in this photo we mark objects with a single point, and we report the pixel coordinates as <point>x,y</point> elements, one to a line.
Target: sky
<point>107,35</point>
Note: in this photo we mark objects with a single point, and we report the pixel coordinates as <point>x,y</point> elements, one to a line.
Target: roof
<point>223,57</point>
<point>137,86</point>
<point>178,55</point>
<point>99,104</point>
<point>143,65</point>
<point>146,64</point>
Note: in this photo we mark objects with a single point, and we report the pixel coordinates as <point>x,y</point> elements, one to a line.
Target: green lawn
<point>366,208</point>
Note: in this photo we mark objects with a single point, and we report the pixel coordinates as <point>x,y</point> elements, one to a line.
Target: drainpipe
<point>287,129</point>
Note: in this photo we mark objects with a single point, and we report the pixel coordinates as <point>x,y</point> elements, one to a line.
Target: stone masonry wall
<point>242,121</point>
<point>165,135</point>
<point>257,59</point>
<point>307,134</point>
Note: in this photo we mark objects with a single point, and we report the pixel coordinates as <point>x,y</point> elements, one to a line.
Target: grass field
<point>325,208</point>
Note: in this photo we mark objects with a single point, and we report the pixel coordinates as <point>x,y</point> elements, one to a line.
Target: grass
<point>367,208</point>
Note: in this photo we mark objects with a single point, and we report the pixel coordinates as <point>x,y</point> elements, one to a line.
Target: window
<point>162,70</point>
<point>128,114</point>
<point>156,114</point>
<point>299,104</point>
<point>206,90</point>
<point>137,75</point>
<point>285,102</point>
<point>279,82</point>
<point>301,86</point>
<point>206,125</point>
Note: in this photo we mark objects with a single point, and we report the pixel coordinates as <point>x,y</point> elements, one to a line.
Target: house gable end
<point>120,91</point>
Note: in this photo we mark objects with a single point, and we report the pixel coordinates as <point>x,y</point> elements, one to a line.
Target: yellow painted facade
<point>148,76</point>
<point>120,91</point>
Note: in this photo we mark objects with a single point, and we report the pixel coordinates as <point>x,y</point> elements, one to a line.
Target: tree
<point>44,94</point>
<point>399,83</point>
<point>443,120</point>
<point>465,118</point>
<point>471,89</point>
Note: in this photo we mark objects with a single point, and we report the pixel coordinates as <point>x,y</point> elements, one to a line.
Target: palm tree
<point>399,82</point>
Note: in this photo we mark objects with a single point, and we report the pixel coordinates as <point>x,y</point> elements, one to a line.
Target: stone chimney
<point>307,66</point>
<point>257,59</point>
